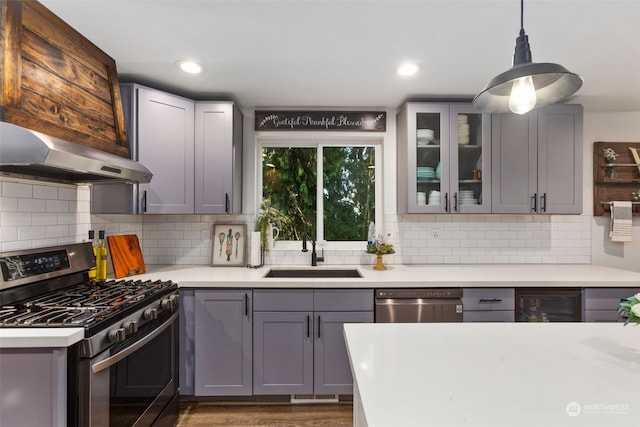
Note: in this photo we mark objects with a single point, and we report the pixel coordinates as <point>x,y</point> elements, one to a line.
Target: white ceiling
<point>331,53</point>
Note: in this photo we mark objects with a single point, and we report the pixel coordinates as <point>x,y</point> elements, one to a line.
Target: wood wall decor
<point>617,180</point>
<point>57,82</point>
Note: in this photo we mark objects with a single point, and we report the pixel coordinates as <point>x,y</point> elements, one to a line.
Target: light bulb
<point>523,95</point>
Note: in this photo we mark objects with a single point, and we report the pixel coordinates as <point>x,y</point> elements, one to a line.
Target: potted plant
<point>630,309</point>
<point>610,156</point>
<point>267,217</point>
<point>380,247</point>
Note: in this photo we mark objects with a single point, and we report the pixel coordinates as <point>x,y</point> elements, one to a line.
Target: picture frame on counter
<point>228,248</point>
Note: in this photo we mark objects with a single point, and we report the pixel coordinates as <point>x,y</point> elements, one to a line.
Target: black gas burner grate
<point>82,305</point>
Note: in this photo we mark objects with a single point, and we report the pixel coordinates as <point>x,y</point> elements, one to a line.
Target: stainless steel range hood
<point>29,154</point>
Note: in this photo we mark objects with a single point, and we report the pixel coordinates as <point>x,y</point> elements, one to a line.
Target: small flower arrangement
<point>610,155</point>
<point>630,309</point>
<point>635,196</point>
<point>381,246</point>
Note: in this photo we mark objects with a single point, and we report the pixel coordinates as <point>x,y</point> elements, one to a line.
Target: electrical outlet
<point>435,233</point>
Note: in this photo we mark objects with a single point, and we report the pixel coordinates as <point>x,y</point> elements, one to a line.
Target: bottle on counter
<point>371,234</point>
<point>101,270</point>
<point>93,270</point>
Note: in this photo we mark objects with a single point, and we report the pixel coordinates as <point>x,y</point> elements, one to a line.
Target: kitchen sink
<point>313,273</point>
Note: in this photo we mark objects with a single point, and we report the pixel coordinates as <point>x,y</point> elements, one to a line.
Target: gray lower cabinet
<point>298,339</point>
<point>488,305</point>
<point>283,343</point>
<point>332,372</point>
<point>537,161</point>
<point>223,356</point>
<point>601,304</point>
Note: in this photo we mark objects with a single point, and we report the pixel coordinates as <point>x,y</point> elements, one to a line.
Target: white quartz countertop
<point>403,276</point>
<point>495,374</point>
<point>39,337</point>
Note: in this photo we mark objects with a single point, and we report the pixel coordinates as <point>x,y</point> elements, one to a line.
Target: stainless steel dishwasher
<point>418,305</point>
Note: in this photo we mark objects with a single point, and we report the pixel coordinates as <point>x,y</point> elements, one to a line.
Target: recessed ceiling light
<point>190,67</point>
<point>408,69</point>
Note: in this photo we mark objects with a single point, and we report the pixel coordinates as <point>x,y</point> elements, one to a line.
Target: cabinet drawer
<point>489,316</point>
<point>488,299</point>
<point>283,300</point>
<point>606,298</point>
<point>343,300</point>
<point>602,316</point>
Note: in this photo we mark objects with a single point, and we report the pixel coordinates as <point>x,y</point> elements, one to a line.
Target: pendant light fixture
<point>526,85</point>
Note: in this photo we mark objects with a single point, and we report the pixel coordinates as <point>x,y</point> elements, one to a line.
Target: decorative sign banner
<point>362,121</point>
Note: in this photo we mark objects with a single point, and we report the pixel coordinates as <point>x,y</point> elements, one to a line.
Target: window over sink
<point>324,190</point>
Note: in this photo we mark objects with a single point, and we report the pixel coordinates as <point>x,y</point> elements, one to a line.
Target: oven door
<point>132,383</point>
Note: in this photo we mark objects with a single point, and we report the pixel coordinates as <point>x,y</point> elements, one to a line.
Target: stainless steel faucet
<point>315,259</point>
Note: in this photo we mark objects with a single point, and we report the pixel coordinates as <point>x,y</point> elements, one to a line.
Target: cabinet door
<point>332,372</point>
<point>489,316</point>
<point>217,157</point>
<point>560,159</point>
<point>165,146</point>
<point>470,160</point>
<point>223,353</point>
<point>283,353</point>
<point>423,158</point>
<point>514,163</point>
<point>187,341</point>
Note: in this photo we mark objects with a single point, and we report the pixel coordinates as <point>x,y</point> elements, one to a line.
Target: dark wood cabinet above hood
<point>57,82</point>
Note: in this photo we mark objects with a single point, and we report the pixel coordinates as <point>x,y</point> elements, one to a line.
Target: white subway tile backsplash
<point>16,189</point>
<point>57,205</point>
<point>34,215</point>
<point>44,192</point>
<point>31,205</point>
<point>32,232</point>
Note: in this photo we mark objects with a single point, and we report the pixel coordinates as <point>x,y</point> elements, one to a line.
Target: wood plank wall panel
<point>58,82</point>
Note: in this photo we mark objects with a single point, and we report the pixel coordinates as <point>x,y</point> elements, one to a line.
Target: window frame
<point>319,142</point>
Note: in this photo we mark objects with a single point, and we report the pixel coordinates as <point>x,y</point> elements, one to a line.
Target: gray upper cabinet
<point>223,343</point>
<point>443,159</point>
<point>194,150</point>
<point>165,145</point>
<point>537,161</point>
<point>218,157</point>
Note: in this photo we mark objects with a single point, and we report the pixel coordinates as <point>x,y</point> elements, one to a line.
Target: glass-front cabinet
<point>444,159</point>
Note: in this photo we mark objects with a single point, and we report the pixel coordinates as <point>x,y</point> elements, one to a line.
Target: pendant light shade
<point>526,85</point>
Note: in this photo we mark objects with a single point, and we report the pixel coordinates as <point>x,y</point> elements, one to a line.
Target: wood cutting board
<point>126,256</point>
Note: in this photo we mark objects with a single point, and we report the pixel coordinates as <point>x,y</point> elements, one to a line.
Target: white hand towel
<point>621,222</point>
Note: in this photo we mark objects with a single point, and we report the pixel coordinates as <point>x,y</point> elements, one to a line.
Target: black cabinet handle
<point>534,198</point>
<point>483,300</point>
<point>543,203</point>
<point>246,305</point>
<point>446,202</point>
<point>319,326</point>
<point>226,202</point>
<point>308,327</point>
<point>144,201</point>
<point>455,201</point>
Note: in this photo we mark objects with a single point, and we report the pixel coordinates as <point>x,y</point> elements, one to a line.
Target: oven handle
<point>112,360</point>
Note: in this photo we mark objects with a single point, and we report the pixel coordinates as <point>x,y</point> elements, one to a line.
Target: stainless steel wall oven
<point>125,370</point>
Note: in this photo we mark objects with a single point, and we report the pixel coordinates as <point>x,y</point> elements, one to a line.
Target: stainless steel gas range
<point>124,372</point>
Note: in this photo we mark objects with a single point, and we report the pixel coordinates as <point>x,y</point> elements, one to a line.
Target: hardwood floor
<point>198,414</point>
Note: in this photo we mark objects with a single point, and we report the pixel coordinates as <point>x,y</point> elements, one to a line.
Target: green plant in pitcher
<point>267,215</point>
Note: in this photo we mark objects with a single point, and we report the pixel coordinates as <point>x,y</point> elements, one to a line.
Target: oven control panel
<point>30,265</point>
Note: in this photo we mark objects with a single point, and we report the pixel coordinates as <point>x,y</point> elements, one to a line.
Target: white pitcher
<point>272,234</point>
